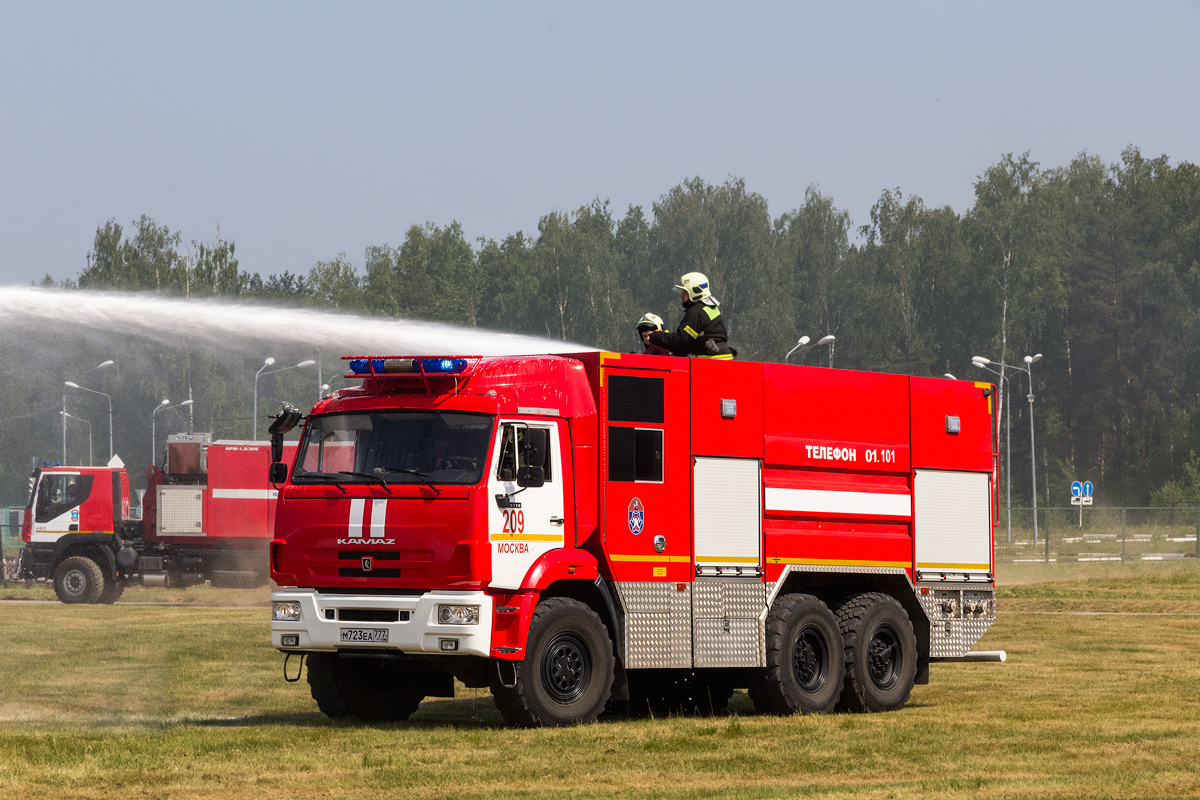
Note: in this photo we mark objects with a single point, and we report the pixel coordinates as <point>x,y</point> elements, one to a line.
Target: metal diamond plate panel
<point>727,643</point>
<point>180,511</point>
<point>657,624</point>
<point>958,618</point>
<point>716,598</point>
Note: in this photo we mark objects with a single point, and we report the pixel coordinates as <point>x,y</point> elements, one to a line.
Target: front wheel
<point>805,662</point>
<point>78,579</point>
<point>567,674</point>
<point>375,690</point>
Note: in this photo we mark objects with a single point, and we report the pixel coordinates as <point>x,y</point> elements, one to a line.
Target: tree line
<point>1094,265</point>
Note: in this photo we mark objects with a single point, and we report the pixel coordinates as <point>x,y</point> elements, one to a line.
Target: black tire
<point>567,674</point>
<point>805,660</point>
<point>881,653</point>
<point>78,579</point>
<point>322,684</point>
<point>372,689</point>
<point>112,592</point>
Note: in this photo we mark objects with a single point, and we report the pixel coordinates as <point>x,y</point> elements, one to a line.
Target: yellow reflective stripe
<point>954,567</point>
<point>826,563</point>
<point>985,385</point>
<point>713,313</point>
<point>653,559</point>
<point>526,537</point>
<point>722,357</point>
<point>688,330</point>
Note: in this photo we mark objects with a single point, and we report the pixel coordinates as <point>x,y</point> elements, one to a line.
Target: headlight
<point>285,612</point>
<point>458,615</point>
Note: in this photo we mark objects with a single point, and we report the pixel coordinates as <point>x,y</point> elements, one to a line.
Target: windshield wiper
<point>415,473</point>
<point>321,476</point>
<point>372,478</point>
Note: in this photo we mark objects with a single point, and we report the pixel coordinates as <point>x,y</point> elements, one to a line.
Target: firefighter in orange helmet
<point>701,332</point>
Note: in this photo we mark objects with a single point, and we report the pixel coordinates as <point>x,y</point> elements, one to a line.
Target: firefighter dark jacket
<point>701,332</point>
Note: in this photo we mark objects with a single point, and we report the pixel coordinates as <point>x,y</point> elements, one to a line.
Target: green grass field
<point>189,701</point>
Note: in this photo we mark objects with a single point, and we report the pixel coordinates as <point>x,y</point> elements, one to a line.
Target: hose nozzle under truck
<point>590,531</point>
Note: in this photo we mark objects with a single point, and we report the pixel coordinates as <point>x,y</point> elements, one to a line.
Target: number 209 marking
<point>514,521</point>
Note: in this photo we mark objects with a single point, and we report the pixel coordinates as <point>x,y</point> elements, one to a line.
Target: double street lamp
<point>983,363</point>
<point>804,340</point>
<point>101,365</point>
<point>268,362</point>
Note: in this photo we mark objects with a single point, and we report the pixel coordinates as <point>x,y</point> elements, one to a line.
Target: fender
<point>556,565</point>
<point>89,543</point>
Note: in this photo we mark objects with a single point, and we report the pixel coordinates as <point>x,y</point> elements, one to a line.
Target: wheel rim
<point>810,659</point>
<point>566,667</point>
<point>884,657</point>
<point>74,582</point>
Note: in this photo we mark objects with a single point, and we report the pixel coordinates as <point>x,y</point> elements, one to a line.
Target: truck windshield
<point>60,492</point>
<point>395,446</point>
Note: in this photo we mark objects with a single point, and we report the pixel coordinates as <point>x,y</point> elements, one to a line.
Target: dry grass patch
<point>190,702</point>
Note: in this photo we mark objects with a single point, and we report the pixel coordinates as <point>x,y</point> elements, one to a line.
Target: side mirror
<point>533,450</point>
<point>531,477</point>
<point>277,473</point>
<point>276,448</point>
<point>288,417</point>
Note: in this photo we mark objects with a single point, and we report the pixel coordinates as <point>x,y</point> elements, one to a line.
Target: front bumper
<point>320,625</point>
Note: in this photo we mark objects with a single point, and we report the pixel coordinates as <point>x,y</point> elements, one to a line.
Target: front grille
<point>350,572</point>
<point>358,555</point>
<point>372,615</point>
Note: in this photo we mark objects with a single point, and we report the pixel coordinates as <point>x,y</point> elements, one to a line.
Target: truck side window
<point>635,399</point>
<point>635,454</point>
<point>528,443</point>
<point>58,494</point>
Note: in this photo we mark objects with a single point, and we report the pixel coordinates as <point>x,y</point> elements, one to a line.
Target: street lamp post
<point>320,382</point>
<point>101,365</point>
<point>1030,361</point>
<point>67,416</point>
<point>74,385</point>
<point>153,437</point>
<point>306,363</point>
<point>982,363</point>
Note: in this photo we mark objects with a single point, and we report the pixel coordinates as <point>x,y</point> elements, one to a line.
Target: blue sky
<point>303,130</point>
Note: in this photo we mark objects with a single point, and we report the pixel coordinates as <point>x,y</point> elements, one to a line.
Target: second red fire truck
<point>590,531</point>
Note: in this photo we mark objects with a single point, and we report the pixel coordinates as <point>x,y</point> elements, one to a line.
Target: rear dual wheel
<point>881,653</point>
<point>805,662</point>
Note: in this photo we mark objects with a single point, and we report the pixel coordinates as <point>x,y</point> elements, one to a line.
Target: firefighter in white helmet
<point>648,324</point>
<point>701,332</point>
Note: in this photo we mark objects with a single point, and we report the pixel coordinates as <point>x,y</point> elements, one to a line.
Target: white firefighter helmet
<point>650,322</point>
<point>696,285</point>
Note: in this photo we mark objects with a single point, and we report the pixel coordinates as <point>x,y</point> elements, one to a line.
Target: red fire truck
<point>598,530</point>
<point>208,516</point>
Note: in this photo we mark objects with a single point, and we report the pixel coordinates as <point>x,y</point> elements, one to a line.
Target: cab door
<point>524,522</point>
<point>57,505</point>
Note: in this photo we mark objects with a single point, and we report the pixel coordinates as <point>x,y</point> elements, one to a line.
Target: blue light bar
<point>408,366</point>
<point>443,366</point>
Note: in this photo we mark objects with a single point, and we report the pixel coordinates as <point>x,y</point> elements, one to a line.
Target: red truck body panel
<point>835,450</point>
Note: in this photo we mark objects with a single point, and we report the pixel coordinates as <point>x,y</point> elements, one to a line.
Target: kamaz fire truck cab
<point>582,531</point>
